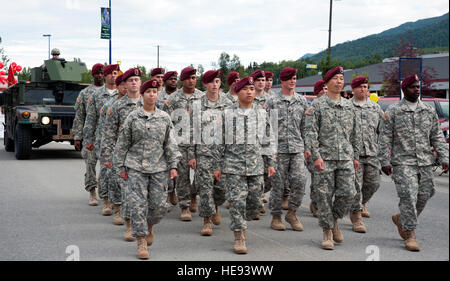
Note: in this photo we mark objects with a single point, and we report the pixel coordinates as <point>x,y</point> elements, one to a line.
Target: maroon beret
<point>187,72</point>
<point>110,68</point>
<point>119,80</point>
<point>232,76</point>
<point>409,80</point>
<point>152,83</point>
<point>269,74</point>
<point>318,86</point>
<point>242,83</point>
<point>332,72</point>
<point>131,72</point>
<point>287,73</point>
<point>257,74</point>
<point>210,75</point>
<point>157,71</point>
<point>359,80</point>
<point>169,74</point>
<point>97,67</point>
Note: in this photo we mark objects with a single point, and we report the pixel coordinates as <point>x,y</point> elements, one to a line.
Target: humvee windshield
<point>42,96</point>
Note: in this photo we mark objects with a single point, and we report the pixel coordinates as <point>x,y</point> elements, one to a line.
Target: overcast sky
<point>196,31</point>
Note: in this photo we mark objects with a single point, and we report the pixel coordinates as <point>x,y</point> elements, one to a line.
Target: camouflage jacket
<point>95,104</point>
<point>232,98</point>
<point>369,117</point>
<point>116,115</point>
<point>163,97</point>
<point>261,100</point>
<point>246,141</point>
<point>80,111</point>
<point>411,134</point>
<point>179,106</point>
<point>146,143</point>
<point>211,129</point>
<point>332,130</point>
<point>291,121</point>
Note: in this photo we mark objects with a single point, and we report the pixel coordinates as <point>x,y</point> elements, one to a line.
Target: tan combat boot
<point>285,204</point>
<point>227,205</point>
<point>411,242</point>
<point>365,213</point>
<point>277,224</point>
<point>186,214</point>
<point>327,240</point>
<point>263,210</point>
<point>239,242</point>
<point>207,227</point>
<point>337,234</point>
<point>265,200</point>
<point>216,217</point>
<point>107,210</point>
<point>313,209</point>
<point>128,237</point>
<point>93,198</point>
<point>172,198</point>
<point>396,220</point>
<point>142,250</point>
<point>292,219</point>
<point>357,221</point>
<point>150,237</point>
<point>117,216</point>
<point>194,205</point>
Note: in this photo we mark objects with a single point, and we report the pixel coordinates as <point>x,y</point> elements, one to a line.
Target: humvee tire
<point>9,143</point>
<point>22,142</point>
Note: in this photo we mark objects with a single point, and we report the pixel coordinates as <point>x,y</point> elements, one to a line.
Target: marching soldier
<point>90,180</point>
<point>180,107</point>
<point>334,140</point>
<point>116,115</point>
<point>205,157</point>
<point>146,149</point>
<point>368,116</point>
<point>410,129</point>
<point>92,130</point>
<point>291,170</point>
<point>232,79</point>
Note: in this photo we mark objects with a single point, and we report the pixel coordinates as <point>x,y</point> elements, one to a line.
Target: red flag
<point>11,79</point>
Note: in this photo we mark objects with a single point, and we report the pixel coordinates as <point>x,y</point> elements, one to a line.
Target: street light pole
<point>329,35</point>
<point>48,35</point>
<point>157,56</point>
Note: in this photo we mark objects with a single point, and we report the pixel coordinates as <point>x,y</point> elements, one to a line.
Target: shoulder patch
<point>308,112</point>
<point>385,117</point>
<point>109,111</point>
<point>78,99</point>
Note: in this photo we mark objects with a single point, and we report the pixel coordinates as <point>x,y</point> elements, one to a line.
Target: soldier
<point>146,149</point>
<point>205,157</point>
<point>290,107</point>
<point>92,136</point>
<point>269,83</point>
<point>319,90</point>
<point>368,116</point>
<point>116,115</point>
<point>242,163</point>
<point>170,86</point>
<point>180,106</point>
<point>411,128</point>
<point>90,180</point>
<point>158,74</point>
<point>232,79</point>
<point>334,140</point>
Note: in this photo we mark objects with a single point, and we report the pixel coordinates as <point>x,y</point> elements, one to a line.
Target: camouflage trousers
<point>337,180</point>
<point>114,188</point>
<point>367,181</point>
<point>415,186</point>
<point>244,195</point>
<point>267,180</point>
<point>90,176</point>
<point>290,169</point>
<point>147,200</point>
<point>312,194</point>
<point>103,179</point>
<point>184,188</point>
<point>211,191</point>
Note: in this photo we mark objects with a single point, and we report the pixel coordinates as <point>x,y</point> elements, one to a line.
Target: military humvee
<point>41,110</point>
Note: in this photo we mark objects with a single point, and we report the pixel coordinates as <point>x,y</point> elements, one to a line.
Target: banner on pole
<point>106,23</point>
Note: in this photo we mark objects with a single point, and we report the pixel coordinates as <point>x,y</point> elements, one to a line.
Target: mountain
<point>305,56</point>
<point>426,33</point>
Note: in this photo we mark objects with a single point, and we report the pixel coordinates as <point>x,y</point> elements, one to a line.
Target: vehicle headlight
<point>45,120</point>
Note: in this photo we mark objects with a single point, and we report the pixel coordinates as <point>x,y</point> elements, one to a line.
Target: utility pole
<point>157,55</point>
<point>48,35</point>
<point>329,35</point>
<point>110,24</point>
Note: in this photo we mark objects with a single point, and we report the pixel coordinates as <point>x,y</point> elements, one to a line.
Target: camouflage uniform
<point>177,106</point>
<point>242,163</point>
<point>334,137</point>
<point>232,98</point>
<point>146,148</point>
<point>290,157</point>
<point>93,128</point>
<point>116,115</point>
<point>209,155</point>
<point>411,134</point>
<point>368,116</point>
<point>90,159</point>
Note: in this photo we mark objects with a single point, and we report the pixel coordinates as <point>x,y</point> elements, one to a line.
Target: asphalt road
<point>44,215</point>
